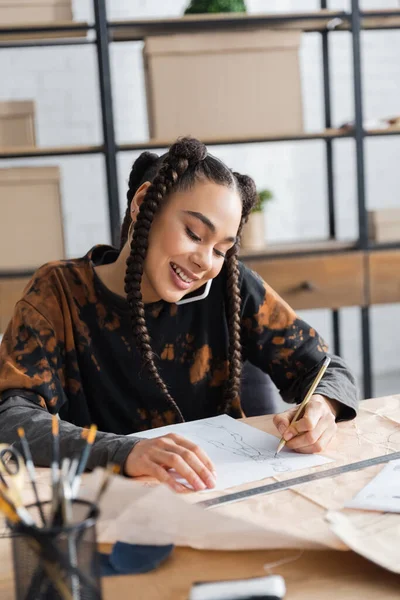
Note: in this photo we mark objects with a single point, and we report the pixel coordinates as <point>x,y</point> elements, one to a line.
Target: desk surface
<point>316,575</point>
<point>309,575</point>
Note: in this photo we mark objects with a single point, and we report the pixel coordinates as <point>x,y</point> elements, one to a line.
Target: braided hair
<point>186,163</point>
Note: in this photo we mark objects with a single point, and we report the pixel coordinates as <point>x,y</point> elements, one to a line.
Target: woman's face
<point>188,241</point>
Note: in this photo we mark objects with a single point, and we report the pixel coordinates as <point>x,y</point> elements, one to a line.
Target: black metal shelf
<point>44,43</point>
<point>136,30</point>
<point>378,246</point>
<point>34,152</point>
<point>311,22</point>
<point>323,21</point>
<point>17,273</point>
<point>327,135</point>
<point>69,27</point>
<point>332,134</point>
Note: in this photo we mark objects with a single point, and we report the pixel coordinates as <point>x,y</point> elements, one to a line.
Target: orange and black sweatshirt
<point>69,350</point>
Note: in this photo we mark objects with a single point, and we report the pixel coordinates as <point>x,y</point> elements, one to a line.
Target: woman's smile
<point>179,277</point>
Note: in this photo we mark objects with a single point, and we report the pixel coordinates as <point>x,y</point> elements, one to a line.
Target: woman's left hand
<point>314,430</point>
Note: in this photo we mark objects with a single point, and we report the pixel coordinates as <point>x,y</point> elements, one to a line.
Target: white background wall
<point>63,82</point>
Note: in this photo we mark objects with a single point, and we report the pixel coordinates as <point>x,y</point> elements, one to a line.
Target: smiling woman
<point>155,332</point>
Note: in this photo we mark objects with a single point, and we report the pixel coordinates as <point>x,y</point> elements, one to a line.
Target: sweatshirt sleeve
<point>289,349</point>
<point>32,358</point>
<point>17,411</point>
<point>32,379</point>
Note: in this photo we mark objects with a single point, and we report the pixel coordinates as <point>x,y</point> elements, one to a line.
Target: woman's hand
<point>155,457</point>
<point>313,432</point>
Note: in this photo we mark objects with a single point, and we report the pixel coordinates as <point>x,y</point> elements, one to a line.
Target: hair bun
<point>141,165</point>
<point>189,149</point>
<point>144,162</point>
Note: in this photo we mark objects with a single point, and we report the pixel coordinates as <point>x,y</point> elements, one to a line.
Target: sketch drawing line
<point>233,442</point>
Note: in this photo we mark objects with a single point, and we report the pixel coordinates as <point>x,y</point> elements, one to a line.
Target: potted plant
<point>215,6</point>
<point>253,235</point>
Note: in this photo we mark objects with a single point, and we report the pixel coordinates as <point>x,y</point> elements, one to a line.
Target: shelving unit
<point>326,22</point>
<point>327,134</point>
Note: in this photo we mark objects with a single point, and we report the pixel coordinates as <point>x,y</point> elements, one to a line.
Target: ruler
<point>278,486</point>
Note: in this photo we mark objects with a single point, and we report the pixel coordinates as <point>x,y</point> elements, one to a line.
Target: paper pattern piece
<point>240,453</point>
<point>382,493</point>
<point>372,535</point>
<point>133,513</point>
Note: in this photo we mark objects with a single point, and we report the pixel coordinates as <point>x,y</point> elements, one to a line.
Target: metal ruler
<point>278,486</point>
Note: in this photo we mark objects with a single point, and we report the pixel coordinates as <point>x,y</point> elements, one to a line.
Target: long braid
<point>248,193</point>
<point>235,348</point>
<point>161,186</point>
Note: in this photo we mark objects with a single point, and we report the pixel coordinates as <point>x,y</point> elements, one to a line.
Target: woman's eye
<point>196,238</point>
<point>219,253</point>
<point>192,235</point>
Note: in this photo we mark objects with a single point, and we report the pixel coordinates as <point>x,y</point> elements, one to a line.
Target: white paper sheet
<point>240,453</point>
<point>382,493</point>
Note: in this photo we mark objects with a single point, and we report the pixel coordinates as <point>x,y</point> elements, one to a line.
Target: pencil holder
<point>58,562</point>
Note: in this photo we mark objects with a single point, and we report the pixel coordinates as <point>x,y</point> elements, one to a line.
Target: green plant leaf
<point>264,196</point>
<point>215,6</point>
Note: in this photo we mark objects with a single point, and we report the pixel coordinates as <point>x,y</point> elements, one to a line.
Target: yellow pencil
<point>8,511</point>
<point>310,392</point>
<point>90,438</point>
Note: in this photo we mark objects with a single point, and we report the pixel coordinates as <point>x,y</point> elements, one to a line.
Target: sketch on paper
<point>234,443</point>
<point>240,453</point>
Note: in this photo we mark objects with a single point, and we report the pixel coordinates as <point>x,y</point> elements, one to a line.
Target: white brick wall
<point>63,82</point>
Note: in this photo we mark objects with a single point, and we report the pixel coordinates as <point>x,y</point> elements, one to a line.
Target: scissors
<point>12,479</point>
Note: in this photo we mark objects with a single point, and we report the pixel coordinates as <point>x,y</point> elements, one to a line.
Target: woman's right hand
<point>157,456</point>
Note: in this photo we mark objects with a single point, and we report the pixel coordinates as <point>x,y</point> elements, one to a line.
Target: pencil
<point>90,437</point>
<point>10,506</point>
<point>303,404</point>
<point>30,467</point>
<point>55,460</point>
<point>67,512</point>
<point>73,470</point>
<point>8,510</point>
<point>58,509</point>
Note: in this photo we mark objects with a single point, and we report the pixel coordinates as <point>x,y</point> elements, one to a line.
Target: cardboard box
<point>224,84</point>
<point>31,231</point>
<point>21,12</point>
<point>11,291</point>
<point>384,225</point>
<point>17,123</point>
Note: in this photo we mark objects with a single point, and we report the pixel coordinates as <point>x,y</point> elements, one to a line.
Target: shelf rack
<point>326,22</point>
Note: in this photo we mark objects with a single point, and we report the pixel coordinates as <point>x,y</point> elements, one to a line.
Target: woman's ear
<point>138,199</point>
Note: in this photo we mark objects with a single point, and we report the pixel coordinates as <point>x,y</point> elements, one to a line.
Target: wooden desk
<point>315,575</point>
<point>312,575</point>
<point>322,575</point>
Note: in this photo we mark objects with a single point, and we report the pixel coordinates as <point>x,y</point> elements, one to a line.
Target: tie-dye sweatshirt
<point>69,350</point>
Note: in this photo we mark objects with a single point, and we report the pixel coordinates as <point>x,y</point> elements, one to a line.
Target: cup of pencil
<point>53,542</point>
<point>59,561</point>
